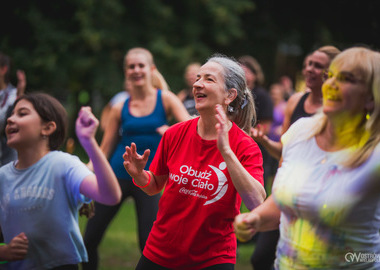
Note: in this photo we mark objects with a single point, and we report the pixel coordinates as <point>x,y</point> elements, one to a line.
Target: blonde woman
<point>142,118</point>
<point>326,192</point>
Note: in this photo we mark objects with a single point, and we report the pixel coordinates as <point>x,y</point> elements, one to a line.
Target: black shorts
<point>146,264</point>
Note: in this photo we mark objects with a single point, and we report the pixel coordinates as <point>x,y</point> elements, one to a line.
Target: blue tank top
<point>141,131</point>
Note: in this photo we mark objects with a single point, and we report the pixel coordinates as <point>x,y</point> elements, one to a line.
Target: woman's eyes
<point>342,77</point>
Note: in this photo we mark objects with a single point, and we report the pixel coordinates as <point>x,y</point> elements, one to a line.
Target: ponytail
<point>242,109</point>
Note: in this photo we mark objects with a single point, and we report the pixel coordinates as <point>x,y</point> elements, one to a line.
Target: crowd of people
<point>304,163</point>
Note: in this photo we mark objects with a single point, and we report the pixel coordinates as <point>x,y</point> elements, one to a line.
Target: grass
<point>119,248</point>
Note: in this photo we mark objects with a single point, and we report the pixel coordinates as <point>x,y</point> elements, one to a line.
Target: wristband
<point>146,183</point>
<point>2,262</point>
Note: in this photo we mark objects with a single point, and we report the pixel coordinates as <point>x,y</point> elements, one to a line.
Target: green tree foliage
<point>71,46</point>
<point>75,48</point>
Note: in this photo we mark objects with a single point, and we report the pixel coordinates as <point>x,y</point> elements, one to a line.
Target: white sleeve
<point>303,129</point>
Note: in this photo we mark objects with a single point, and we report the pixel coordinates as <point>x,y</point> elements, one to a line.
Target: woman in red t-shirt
<point>207,166</point>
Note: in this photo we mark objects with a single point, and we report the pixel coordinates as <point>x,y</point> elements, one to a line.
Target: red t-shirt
<point>194,227</point>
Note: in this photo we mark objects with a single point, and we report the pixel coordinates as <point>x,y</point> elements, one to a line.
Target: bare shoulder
<point>289,109</point>
<point>168,99</point>
<point>116,109</point>
<point>293,101</point>
<point>168,96</point>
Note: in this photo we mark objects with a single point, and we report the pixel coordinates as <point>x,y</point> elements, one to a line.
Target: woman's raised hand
<point>222,128</point>
<point>135,163</point>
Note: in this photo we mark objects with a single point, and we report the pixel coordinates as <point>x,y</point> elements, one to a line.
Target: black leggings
<point>146,264</point>
<point>265,251</point>
<point>146,211</point>
<point>66,267</point>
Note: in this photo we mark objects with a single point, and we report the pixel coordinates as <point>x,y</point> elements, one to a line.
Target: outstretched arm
<point>135,164</point>
<point>16,249</point>
<point>103,186</point>
<point>274,148</point>
<point>251,191</point>
<point>266,217</point>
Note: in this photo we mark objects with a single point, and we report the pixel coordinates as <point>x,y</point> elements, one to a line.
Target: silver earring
<point>230,109</point>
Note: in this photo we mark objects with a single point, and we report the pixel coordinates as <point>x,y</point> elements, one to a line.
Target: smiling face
<point>24,127</point>
<point>138,69</point>
<point>316,64</point>
<point>345,91</point>
<point>209,88</point>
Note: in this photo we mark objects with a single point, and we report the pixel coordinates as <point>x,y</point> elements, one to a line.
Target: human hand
<point>258,134</point>
<point>246,225</point>
<point>21,82</point>
<point>161,130</point>
<point>17,248</point>
<point>222,128</point>
<point>86,125</point>
<point>87,210</point>
<point>134,163</point>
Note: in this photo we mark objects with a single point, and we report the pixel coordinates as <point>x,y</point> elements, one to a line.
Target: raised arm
<point>135,164</point>
<point>251,191</point>
<point>103,186</point>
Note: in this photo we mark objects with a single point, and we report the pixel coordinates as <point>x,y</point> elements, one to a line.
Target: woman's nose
<point>197,83</point>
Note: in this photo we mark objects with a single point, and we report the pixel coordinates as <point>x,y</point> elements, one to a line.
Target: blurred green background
<point>74,50</point>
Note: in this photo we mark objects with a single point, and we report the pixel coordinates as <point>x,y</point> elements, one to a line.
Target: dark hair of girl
<point>49,109</point>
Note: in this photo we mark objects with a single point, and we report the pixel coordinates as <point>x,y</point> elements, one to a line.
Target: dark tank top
<point>299,111</point>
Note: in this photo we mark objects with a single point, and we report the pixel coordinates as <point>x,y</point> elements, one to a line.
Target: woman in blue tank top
<point>142,119</point>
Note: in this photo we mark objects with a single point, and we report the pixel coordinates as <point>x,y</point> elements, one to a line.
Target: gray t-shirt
<point>43,202</point>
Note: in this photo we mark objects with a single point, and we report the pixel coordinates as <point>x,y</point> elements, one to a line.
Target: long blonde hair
<point>367,63</point>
